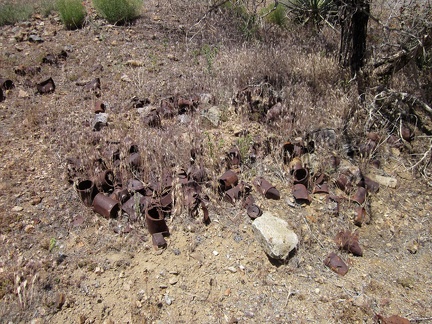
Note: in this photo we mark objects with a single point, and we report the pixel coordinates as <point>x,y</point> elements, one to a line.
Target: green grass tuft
<point>47,7</point>
<point>12,13</point>
<point>72,13</point>
<point>118,11</point>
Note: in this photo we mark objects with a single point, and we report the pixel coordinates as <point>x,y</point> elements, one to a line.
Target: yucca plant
<point>72,13</point>
<point>118,11</point>
<point>311,11</point>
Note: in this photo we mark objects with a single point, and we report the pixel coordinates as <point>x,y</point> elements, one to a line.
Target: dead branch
<point>425,155</point>
<point>390,65</point>
<point>404,97</point>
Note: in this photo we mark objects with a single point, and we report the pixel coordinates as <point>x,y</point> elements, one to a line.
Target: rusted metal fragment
<point>300,193</point>
<point>45,87</point>
<point>254,211</point>
<point>336,264</point>
<point>104,181</point>
<point>158,241</point>
<point>394,319</point>
<point>266,188</point>
<point>349,242</point>
<point>228,180</point>
<point>360,195</point>
<point>99,107</point>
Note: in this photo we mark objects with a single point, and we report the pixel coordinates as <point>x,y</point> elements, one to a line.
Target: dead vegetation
<point>258,87</point>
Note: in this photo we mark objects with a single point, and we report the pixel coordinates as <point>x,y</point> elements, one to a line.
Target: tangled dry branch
<point>411,100</point>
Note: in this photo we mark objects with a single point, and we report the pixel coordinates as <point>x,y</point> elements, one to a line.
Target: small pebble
<point>60,300</point>
<point>249,314</point>
<point>176,251</point>
<point>17,208</point>
<point>173,281</point>
<point>232,269</point>
<point>168,300</point>
<point>215,253</point>
<point>28,228</point>
<point>35,200</point>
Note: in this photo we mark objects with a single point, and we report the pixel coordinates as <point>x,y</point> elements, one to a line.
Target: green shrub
<point>72,13</point>
<point>47,7</point>
<point>12,13</point>
<point>276,15</point>
<point>118,11</point>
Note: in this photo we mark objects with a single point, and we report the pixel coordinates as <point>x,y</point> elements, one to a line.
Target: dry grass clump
<point>11,13</point>
<point>72,13</point>
<point>308,84</point>
<point>118,11</point>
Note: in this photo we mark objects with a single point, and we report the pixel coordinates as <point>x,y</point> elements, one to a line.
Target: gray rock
<point>274,236</point>
<point>212,115</point>
<point>347,167</point>
<point>35,39</point>
<point>385,181</point>
<point>168,300</point>
<point>207,98</point>
<point>100,120</point>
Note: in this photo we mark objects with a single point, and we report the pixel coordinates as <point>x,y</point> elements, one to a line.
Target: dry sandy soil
<point>63,263</point>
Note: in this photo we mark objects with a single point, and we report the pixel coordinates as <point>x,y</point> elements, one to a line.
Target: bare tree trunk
<point>353,17</point>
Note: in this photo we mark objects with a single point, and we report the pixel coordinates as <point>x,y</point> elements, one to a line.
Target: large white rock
<point>274,235</point>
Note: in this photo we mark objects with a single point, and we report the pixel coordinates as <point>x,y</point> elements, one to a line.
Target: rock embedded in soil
<point>274,235</point>
<point>60,300</point>
<point>212,115</point>
<point>385,181</point>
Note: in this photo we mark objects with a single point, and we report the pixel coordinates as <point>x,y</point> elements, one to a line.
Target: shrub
<point>72,13</point>
<point>118,11</point>
<point>276,15</point>
<point>311,11</point>
<point>246,17</point>
<point>47,7</point>
<point>12,13</point>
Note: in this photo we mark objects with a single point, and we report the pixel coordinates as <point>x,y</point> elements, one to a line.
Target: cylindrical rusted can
<point>155,221</point>
<point>6,84</point>
<point>105,206</point>
<point>301,175</point>
<point>99,107</point>
<point>228,180</point>
<point>134,160</point>
<point>105,180</point>
<point>86,191</point>
<point>120,195</point>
